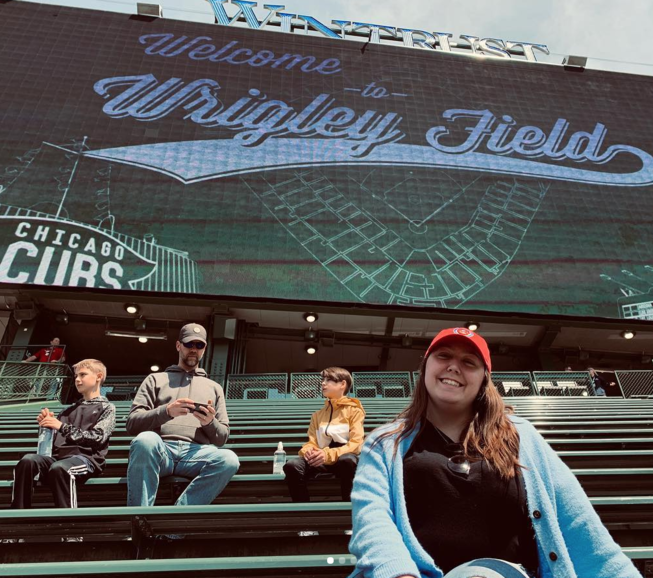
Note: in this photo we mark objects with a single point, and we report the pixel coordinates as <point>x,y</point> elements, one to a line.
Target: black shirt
<point>457,518</point>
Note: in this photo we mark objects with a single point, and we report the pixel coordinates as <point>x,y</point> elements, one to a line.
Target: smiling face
<point>453,376</point>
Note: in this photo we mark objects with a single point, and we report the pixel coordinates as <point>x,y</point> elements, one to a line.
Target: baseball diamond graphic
<point>297,168</point>
<point>636,301</point>
<point>458,266</point>
<point>75,253</point>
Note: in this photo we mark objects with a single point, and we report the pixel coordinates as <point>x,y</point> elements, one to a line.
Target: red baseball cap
<point>463,333</point>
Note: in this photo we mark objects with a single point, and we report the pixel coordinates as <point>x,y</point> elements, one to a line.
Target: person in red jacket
<point>52,354</point>
<point>335,438</point>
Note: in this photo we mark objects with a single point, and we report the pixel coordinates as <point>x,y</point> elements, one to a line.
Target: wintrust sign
<point>242,12</point>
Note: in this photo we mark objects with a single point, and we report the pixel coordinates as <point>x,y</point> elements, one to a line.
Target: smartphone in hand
<point>199,405</point>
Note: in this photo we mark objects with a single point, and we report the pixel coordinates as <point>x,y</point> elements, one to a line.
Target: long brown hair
<point>490,435</point>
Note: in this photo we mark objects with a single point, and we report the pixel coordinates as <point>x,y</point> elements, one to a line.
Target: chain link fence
<point>306,385</point>
<point>563,383</point>
<point>382,384</point>
<point>636,383</point>
<point>29,381</point>
<point>509,384</point>
<point>121,387</point>
<point>514,383</point>
<point>257,386</point>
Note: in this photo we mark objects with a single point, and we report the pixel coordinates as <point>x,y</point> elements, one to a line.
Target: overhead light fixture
<point>311,349</point>
<point>628,334</point>
<point>583,355</point>
<point>152,10</point>
<point>472,325</point>
<point>132,308</point>
<point>154,368</point>
<point>406,341</point>
<point>503,349</point>
<point>311,317</point>
<point>140,324</point>
<point>134,334</point>
<point>143,339</point>
<point>646,359</point>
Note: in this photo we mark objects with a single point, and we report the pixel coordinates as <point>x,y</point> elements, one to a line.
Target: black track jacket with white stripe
<point>86,429</point>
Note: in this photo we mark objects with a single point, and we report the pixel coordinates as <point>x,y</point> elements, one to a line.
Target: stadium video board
<point>169,156</point>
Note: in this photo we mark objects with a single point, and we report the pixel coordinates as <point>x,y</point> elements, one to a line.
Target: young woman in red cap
<point>457,478</point>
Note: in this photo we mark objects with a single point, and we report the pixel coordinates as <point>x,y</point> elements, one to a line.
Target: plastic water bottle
<point>46,435</point>
<point>279,459</point>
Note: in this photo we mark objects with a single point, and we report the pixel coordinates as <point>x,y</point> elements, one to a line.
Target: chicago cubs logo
<point>464,332</point>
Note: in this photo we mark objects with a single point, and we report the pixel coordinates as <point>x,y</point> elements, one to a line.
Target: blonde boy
<point>80,444</point>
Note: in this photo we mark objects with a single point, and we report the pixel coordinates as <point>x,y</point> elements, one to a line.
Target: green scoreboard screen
<point>168,156</point>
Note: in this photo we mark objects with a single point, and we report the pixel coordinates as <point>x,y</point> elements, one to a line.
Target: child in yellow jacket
<point>335,438</point>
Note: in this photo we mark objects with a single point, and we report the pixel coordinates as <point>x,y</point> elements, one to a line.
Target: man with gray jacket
<point>181,421</point>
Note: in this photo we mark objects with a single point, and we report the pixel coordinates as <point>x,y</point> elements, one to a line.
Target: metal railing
<point>257,386</point>
<point>23,352</point>
<point>635,383</point>
<point>563,383</point>
<point>383,384</point>
<point>121,387</point>
<point>306,385</point>
<point>514,383</point>
<point>27,382</point>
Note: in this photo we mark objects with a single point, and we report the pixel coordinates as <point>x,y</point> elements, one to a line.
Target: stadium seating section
<point>252,529</point>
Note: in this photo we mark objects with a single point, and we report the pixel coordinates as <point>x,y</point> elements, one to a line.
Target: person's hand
<point>45,412</point>
<point>51,422</point>
<point>205,414</point>
<point>317,458</point>
<point>181,406</point>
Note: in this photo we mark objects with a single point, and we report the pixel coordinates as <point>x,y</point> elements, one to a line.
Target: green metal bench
<point>245,530</point>
<point>336,565</point>
<point>271,488</point>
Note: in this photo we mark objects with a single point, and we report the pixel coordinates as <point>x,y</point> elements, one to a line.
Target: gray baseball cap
<point>192,332</point>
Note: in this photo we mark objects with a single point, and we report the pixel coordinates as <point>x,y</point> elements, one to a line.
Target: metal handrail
<point>30,347</point>
<point>21,381</point>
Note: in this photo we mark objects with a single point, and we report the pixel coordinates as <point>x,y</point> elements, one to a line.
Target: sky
<point>613,35</point>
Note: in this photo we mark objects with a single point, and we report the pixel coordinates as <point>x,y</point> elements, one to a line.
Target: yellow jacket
<point>340,420</point>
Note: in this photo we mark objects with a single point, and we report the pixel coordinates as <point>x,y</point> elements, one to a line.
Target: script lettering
<point>255,117</point>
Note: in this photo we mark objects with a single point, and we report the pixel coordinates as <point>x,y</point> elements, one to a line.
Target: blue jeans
<point>209,468</point>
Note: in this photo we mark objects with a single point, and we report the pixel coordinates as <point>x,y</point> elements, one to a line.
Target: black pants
<point>63,477</point>
<point>298,472</point>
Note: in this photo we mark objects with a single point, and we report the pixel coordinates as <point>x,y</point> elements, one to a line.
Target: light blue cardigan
<point>571,540</point>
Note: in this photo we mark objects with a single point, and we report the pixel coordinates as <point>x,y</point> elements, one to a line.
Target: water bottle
<point>46,435</point>
<point>279,459</point>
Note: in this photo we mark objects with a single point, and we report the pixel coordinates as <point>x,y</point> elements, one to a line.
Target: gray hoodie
<point>148,411</point>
